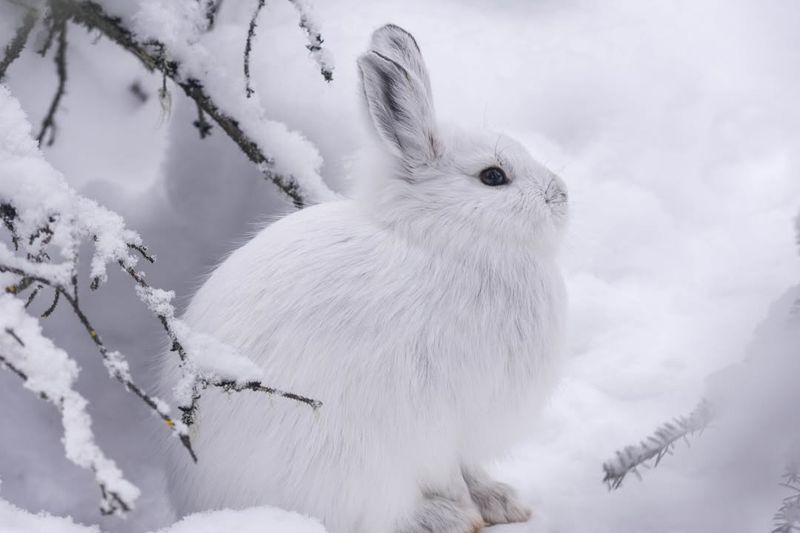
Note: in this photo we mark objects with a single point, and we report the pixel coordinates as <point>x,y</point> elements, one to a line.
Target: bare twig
<point>32,295</point>
<point>203,126</point>
<point>15,47</point>
<point>13,335</point>
<point>212,10</point>
<point>49,310</point>
<point>232,386</point>
<point>49,24</point>
<point>113,501</point>
<point>248,47</point>
<point>4,362</point>
<point>48,123</point>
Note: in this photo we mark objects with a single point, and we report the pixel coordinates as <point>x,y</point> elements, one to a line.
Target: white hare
<point>425,313</point>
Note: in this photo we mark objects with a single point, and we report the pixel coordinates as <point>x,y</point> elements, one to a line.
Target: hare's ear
<point>400,46</point>
<point>399,106</point>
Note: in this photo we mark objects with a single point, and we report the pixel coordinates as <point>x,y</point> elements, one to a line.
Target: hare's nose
<point>556,191</point>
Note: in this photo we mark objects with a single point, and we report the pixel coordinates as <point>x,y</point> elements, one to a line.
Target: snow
<point>118,367</point>
<point>215,359</point>
<point>15,520</point>
<point>255,520</point>
<point>676,128</point>
<point>208,359</point>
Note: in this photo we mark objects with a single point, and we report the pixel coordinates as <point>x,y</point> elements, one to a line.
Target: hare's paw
<point>497,502</point>
<point>438,514</point>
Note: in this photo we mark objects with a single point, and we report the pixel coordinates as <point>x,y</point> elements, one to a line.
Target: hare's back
<point>316,276</point>
<point>319,301</point>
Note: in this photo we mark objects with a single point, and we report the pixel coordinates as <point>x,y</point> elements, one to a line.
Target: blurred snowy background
<point>676,127</point>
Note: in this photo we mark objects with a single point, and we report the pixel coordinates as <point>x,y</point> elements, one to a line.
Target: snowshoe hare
<point>425,313</point>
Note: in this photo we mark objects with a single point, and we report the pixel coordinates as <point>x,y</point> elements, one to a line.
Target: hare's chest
<point>506,325</point>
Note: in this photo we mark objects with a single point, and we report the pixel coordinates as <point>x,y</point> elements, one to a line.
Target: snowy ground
<point>676,127</point>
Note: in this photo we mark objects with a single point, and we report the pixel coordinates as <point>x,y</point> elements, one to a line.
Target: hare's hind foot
<point>439,514</point>
<point>497,502</point>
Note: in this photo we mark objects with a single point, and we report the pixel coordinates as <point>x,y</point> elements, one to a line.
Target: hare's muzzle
<point>556,191</point>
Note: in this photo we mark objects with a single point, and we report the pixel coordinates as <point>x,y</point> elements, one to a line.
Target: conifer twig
<point>652,450</point>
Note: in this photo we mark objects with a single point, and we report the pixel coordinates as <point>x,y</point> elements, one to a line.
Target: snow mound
<point>253,520</point>
<point>15,520</point>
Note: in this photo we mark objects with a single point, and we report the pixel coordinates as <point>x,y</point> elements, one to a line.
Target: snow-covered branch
<point>283,157</point>
<point>315,40</point>
<point>650,451</point>
<point>49,372</point>
<point>47,222</point>
<point>245,124</point>
<point>225,369</point>
<point>730,402</point>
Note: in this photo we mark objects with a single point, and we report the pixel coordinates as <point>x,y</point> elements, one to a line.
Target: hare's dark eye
<point>493,176</point>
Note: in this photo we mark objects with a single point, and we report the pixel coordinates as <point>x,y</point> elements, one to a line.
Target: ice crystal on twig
<point>652,450</point>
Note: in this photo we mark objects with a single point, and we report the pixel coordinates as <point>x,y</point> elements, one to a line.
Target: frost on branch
<point>213,363</point>
<point>49,372</point>
<point>649,452</point>
<point>787,518</point>
<point>46,223</point>
<point>309,26</point>
<point>751,401</point>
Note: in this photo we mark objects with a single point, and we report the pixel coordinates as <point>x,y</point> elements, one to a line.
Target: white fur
<point>425,313</point>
